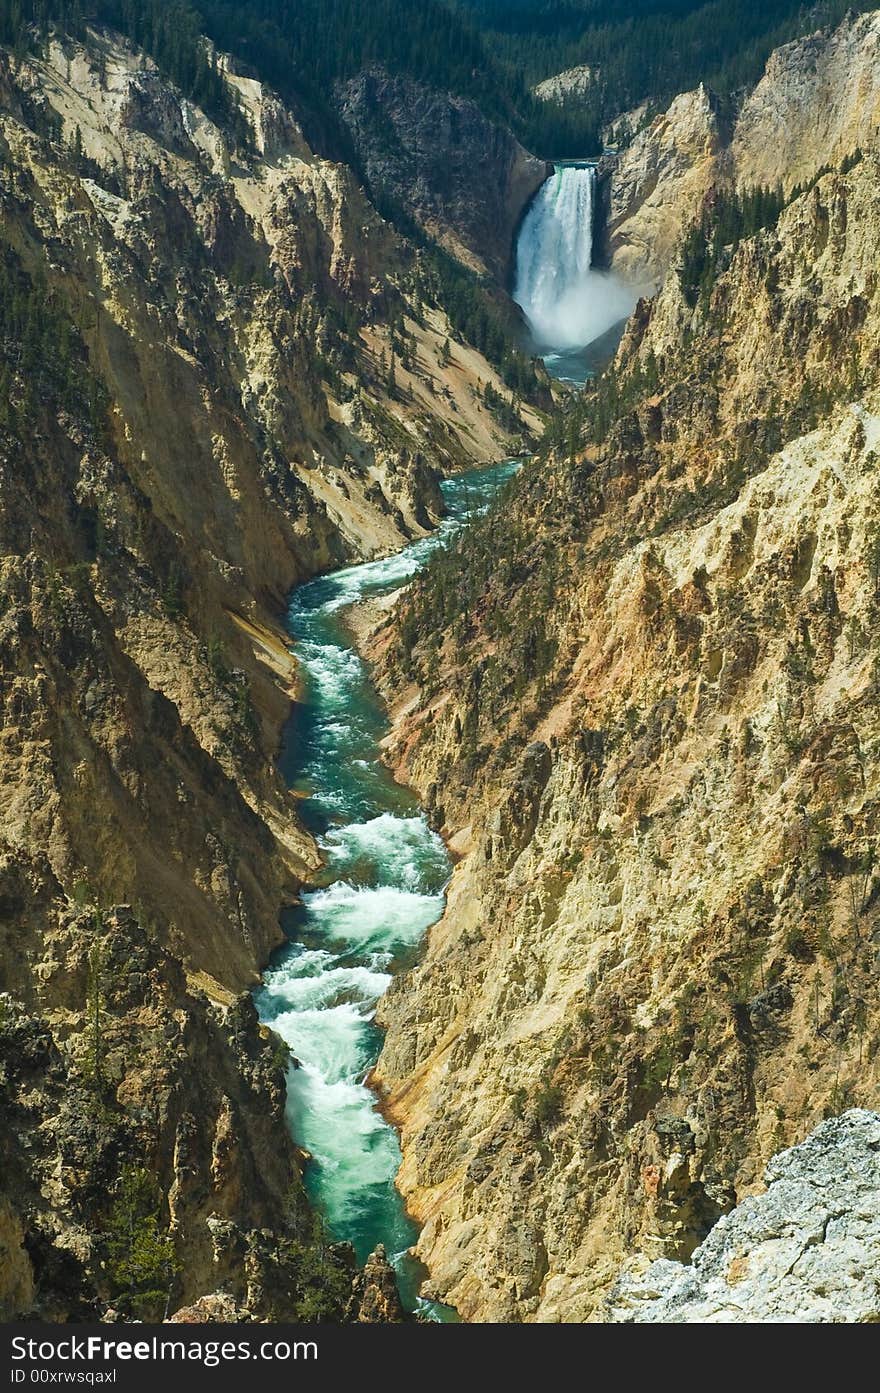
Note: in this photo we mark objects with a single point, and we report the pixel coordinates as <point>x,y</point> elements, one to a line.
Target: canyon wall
<point>818,100</point>
<point>459,176</point>
<point>641,702</point>
<point>222,371</point>
<point>659,186</point>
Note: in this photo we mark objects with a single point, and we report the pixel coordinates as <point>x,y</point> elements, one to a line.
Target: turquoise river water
<point>382,887</point>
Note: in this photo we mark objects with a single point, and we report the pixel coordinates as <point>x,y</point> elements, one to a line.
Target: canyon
<point>249,383</point>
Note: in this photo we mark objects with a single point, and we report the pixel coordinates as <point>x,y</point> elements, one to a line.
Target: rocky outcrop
<point>659,186</point>
<point>642,706</point>
<point>806,1250</point>
<point>564,86</point>
<point>216,1306</point>
<point>437,157</point>
<point>375,1300</point>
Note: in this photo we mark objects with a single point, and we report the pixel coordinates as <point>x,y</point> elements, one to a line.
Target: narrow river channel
<point>383,886</point>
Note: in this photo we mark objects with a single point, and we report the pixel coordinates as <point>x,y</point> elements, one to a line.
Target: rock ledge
<point>806,1250</point>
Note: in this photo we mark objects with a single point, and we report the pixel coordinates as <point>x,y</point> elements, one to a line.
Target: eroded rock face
<point>228,426</point>
<point>651,739</point>
<point>659,186</point>
<point>817,102</point>
<point>463,179</point>
<point>806,1250</point>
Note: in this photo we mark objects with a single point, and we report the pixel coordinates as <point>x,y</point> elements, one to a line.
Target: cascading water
<point>385,875</point>
<point>567,302</point>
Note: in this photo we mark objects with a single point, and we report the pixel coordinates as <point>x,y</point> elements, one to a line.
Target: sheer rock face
<point>818,101</point>
<point>659,186</point>
<point>657,964</point>
<point>806,1250</point>
<point>234,307</point>
<point>463,179</point>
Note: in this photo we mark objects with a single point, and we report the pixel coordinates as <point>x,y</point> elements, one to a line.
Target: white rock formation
<point>574,82</point>
<point>807,1250</point>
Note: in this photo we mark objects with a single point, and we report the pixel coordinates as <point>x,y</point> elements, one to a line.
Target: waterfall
<point>567,303</point>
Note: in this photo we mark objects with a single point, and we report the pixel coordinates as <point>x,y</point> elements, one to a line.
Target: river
<point>382,888</point>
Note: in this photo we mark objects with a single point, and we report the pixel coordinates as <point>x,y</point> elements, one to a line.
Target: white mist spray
<point>567,303</point>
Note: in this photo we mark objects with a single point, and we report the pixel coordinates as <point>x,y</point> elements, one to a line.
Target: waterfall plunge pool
<point>382,888</point>
<point>576,313</point>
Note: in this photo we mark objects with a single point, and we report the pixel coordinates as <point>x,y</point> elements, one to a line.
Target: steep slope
<point>816,103</point>
<point>463,179</point>
<point>221,372</point>
<point>819,99</point>
<point>642,703</point>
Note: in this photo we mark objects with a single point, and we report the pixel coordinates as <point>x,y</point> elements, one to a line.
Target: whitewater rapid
<point>567,302</point>
<point>384,882</point>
